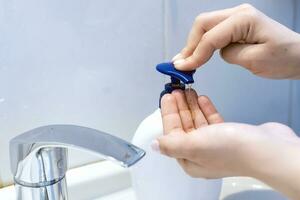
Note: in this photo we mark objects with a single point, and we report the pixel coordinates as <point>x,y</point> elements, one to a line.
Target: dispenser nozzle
<point>169,69</point>
<point>178,78</point>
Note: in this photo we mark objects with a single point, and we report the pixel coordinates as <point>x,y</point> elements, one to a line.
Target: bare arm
<point>206,147</point>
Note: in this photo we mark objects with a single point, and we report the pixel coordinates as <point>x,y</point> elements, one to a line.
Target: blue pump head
<point>178,78</point>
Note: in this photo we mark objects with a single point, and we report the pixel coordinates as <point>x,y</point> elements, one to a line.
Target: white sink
<point>107,181</point>
<point>244,188</point>
<point>235,188</point>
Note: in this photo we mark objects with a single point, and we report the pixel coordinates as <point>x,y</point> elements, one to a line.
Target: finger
<point>230,30</point>
<point>170,114</point>
<point>209,110</point>
<point>197,115</point>
<point>174,145</point>
<point>243,54</point>
<point>184,112</point>
<point>202,24</point>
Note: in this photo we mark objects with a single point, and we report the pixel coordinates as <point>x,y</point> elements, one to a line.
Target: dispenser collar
<point>178,78</point>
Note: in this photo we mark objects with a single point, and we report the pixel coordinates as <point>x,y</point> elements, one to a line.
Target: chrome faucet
<point>39,158</point>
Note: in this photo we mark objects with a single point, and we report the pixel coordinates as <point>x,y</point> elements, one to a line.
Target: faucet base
<point>57,191</point>
<point>39,157</point>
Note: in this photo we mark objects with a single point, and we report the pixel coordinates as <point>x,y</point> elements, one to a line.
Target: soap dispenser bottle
<point>158,177</point>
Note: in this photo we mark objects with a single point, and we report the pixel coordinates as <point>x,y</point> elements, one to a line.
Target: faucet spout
<point>39,157</point>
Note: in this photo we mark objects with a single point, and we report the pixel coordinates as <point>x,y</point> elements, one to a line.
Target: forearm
<point>295,58</point>
<point>283,172</point>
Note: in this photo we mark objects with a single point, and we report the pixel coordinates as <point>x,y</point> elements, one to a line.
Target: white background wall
<point>91,63</point>
<point>295,87</point>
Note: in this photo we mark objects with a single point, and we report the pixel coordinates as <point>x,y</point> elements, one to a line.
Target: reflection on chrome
<point>39,157</point>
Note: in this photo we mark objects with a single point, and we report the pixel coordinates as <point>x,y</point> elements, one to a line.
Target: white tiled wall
<point>91,63</point>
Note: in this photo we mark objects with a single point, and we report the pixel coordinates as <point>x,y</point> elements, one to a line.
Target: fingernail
<point>177,57</point>
<point>155,146</point>
<point>179,61</point>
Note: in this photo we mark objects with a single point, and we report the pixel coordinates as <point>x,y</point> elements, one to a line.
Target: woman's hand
<point>206,147</point>
<point>246,37</point>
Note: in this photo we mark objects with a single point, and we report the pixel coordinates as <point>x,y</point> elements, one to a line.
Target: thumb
<point>231,30</point>
<point>244,55</point>
<point>173,145</point>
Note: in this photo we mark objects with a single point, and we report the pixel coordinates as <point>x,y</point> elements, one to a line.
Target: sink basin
<point>128,194</point>
<point>234,188</point>
<point>107,181</point>
<point>244,188</point>
<point>257,195</point>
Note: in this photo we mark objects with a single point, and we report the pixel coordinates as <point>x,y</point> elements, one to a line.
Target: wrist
<point>280,168</point>
<point>251,151</point>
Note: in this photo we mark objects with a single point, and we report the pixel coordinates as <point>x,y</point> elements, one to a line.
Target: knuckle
<point>203,20</point>
<point>167,98</point>
<point>246,6</point>
<point>195,59</point>
<point>178,93</point>
<point>215,117</point>
<point>247,17</point>
<point>209,39</point>
<point>205,36</point>
<point>200,18</point>
<point>204,100</point>
<point>186,51</point>
<point>249,14</point>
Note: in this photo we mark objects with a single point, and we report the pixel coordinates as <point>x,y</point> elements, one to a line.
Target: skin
<point>205,146</point>
<point>195,133</point>
<point>246,37</point>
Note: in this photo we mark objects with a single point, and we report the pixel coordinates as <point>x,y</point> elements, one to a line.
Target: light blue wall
<point>295,87</point>
<point>91,63</point>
